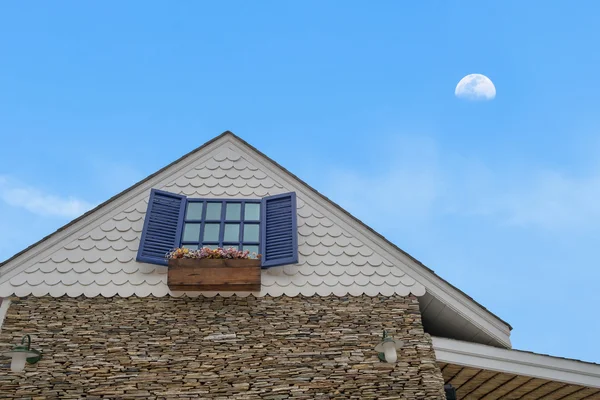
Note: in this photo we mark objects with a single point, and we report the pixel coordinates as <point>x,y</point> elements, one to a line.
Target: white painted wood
<point>3,310</point>
<point>516,362</point>
<point>101,261</point>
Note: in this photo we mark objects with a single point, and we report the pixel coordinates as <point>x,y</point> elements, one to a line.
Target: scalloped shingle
<point>102,260</point>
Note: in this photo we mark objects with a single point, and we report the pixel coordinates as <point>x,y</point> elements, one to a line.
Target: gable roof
<point>438,289</point>
<point>97,256</point>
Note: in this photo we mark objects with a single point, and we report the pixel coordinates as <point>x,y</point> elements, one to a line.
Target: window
<point>266,226</point>
<point>222,223</point>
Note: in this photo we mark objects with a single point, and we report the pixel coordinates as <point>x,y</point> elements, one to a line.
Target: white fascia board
<point>516,362</point>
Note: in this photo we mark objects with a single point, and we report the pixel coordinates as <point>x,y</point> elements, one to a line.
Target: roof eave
<point>517,362</point>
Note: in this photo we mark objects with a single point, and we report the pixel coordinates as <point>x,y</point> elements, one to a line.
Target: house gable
<point>337,254</point>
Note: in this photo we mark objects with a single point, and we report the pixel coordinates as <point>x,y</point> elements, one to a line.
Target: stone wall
<point>219,348</point>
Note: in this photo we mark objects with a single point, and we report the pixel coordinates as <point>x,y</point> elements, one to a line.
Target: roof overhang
<point>442,320</point>
<point>472,366</point>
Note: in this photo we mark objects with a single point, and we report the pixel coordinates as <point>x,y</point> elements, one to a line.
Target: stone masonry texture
<point>219,348</point>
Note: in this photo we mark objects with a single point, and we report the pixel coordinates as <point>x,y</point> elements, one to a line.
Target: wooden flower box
<point>225,275</point>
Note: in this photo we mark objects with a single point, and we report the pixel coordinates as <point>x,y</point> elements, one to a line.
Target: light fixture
<point>22,353</point>
<point>387,348</point>
<point>450,392</point>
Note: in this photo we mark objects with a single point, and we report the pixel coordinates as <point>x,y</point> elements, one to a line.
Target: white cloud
<point>550,200</point>
<point>406,182</point>
<point>417,181</point>
<point>38,202</point>
<point>475,87</point>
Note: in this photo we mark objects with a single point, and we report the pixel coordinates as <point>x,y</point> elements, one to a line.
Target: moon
<point>475,87</point>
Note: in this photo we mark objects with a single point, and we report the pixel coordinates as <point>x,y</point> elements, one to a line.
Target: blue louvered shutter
<point>279,236</point>
<point>162,226</point>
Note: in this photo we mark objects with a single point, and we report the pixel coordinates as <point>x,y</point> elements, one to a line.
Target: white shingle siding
<point>102,260</point>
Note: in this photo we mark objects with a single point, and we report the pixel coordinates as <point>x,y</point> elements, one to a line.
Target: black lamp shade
<point>450,392</point>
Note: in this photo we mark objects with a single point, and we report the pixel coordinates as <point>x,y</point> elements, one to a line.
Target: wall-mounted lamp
<point>450,392</point>
<point>22,353</point>
<point>387,349</point>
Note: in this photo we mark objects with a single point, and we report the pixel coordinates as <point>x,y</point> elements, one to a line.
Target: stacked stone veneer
<point>219,348</point>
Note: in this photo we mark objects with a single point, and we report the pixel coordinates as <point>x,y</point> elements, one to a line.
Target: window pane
<point>194,210</point>
<point>251,232</point>
<point>252,212</point>
<point>252,249</point>
<point>235,246</point>
<point>233,211</point>
<point>211,246</point>
<point>211,232</point>
<point>213,211</point>
<point>232,233</point>
<point>190,246</point>
<point>191,233</point>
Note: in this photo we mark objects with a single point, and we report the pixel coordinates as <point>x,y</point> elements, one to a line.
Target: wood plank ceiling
<point>476,384</point>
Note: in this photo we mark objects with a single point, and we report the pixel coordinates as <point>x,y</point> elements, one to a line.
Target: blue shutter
<point>279,236</point>
<point>162,226</point>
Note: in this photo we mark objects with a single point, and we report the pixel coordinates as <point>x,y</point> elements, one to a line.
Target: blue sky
<point>498,197</point>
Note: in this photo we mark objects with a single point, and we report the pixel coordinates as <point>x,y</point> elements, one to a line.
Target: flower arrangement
<point>205,252</point>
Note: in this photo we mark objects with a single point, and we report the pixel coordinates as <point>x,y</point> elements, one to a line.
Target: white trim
<point>3,310</point>
<point>437,287</point>
<point>516,362</point>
